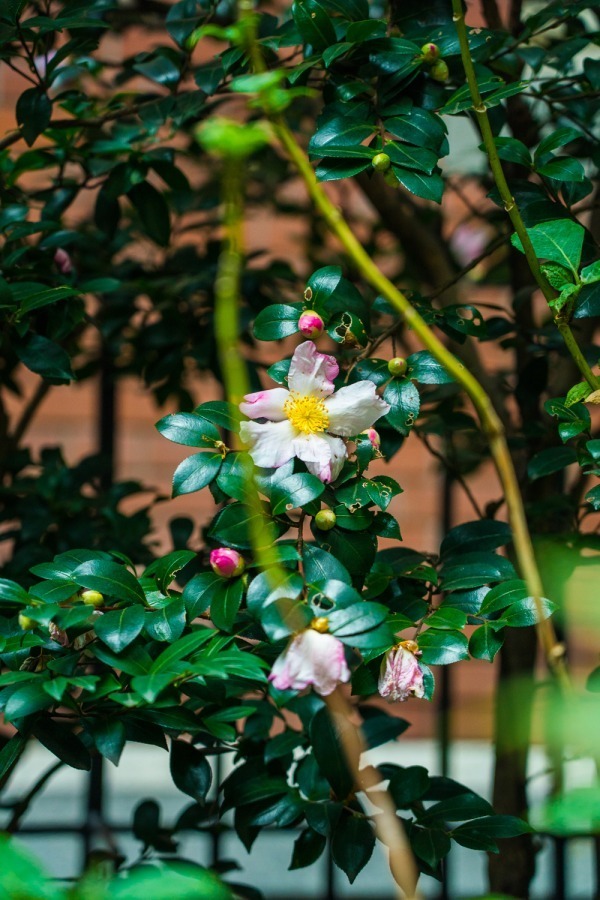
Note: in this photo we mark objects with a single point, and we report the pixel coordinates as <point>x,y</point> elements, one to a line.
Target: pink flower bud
<point>401,676</point>
<point>63,262</point>
<point>373,436</point>
<point>226,563</point>
<point>311,658</point>
<point>311,324</point>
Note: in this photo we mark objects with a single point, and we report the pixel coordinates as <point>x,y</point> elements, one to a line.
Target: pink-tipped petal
<point>311,372</point>
<point>313,659</point>
<point>354,408</point>
<point>323,454</point>
<point>226,562</point>
<point>270,444</point>
<point>265,404</point>
<point>311,324</point>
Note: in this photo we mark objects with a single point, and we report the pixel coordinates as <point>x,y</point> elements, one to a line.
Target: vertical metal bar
<point>444,681</point>
<point>596,852</point>
<point>106,426</point>
<point>215,833</point>
<point>560,868</point>
<point>330,895</point>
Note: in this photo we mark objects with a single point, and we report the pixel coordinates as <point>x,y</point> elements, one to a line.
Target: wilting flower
<point>309,420</point>
<point>63,262</point>
<point>312,658</point>
<point>401,675</point>
<point>226,562</point>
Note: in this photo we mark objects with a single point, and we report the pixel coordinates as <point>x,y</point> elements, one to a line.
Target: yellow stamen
<point>307,414</point>
<point>320,624</point>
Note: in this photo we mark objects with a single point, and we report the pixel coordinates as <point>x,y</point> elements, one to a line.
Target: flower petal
<point>270,444</point>
<point>311,658</point>
<point>354,408</point>
<point>312,372</point>
<point>265,404</point>
<point>323,454</point>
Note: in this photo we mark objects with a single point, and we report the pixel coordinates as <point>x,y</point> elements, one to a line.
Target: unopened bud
<point>92,598</point>
<point>439,71</point>
<point>311,324</point>
<point>430,52</point>
<point>372,436</point>
<point>381,162</point>
<point>325,519</point>
<point>320,624</point>
<point>63,262</point>
<point>397,366</point>
<point>226,563</point>
<point>26,623</point>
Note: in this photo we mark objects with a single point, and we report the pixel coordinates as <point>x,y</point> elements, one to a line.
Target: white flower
<point>401,676</point>
<point>309,420</point>
<point>311,658</point>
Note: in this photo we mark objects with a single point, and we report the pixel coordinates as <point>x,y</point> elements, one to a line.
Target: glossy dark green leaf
<point>352,843</point>
<point>277,321</point>
<point>560,241</point>
<point>308,847</point>
<point>45,358</point>
<point>430,844</point>
<point>33,111</point>
<point>190,429</point>
<point>235,525</point>
<point>428,187</point>
<point>313,23</point>
<point>25,700</point>
<point>440,648</point>
<point>165,569</point>
<point>195,472</point>
<point>328,751</point>
<point>110,579</point>
<point>378,727</point>
<point>403,398</point>
<point>109,736</point>
<point>225,603</point>
<point>10,755</point>
<point>167,623</point>
<point>473,569</point>
<point>153,212</point>
<point>483,534</point>
<point>550,460</point>
<point>235,475</point>
<point>423,367</point>
<point>458,808</point>
<point>295,491</point>
<point>63,743</point>
<point>485,642</point>
<point>407,785</point>
<point>119,628</point>
<point>190,770</point>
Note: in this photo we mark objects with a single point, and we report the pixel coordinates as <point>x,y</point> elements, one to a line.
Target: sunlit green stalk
<point>508,200</point>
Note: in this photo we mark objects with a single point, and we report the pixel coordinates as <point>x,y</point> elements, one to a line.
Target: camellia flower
<point>309,420</point>
<point>401,675</point>
<point>226,563</point>
<point>63,262</point>
<point>312,658</point>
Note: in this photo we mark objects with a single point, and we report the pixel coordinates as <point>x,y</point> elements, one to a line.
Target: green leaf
<point>429,187</point>
<point>403,398</point>
<point>469,570</point>
<point>458,808</point>
<point>32,296</point>
<point>550,460</point>
<point>593,497</point>
<point>378,727</point>
<point>10,755</point>
<point>430,844</point>
<point>109,578</point>
<point>153,212</point>
<point>562,168</point>
<point>119,628</point>
<point>560,241</point>
<point>235,475</point>
<point>33,110</point>
<point>277,321</point>
<point>45,358</point>
<point>423,367</point>
<point>525,612</point>
<point>178,651</point>
<point>190,770</point>
<point>235,524</point>
<point>225,603</point>
<point>352,843</point>
<point>320,565</point>
<point>25,700</point>
<point>195,472</point>
<point>485,642</point>
<point>167,623</point>
<point>308,847</point>
<point>404,157</point>
<point>11,592</point>
<point>480,834</point>
<point>440,648</point>
<point>199,591</point>
<point>314,24</point>
<point>165,569</point>
<point>190,429</point>
<point>483,534</point>
<point>513,150</point>
<point>295,491</point>
<point>342,136</point>
<point>329,754</point>
<point>109,737</point>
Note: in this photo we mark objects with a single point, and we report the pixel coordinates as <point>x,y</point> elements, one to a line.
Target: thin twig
<point>22,805</point>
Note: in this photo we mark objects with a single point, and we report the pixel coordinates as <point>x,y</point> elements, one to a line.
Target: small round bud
<point>430,52</point>
<point>439,71</point>
<point>320,624</point>
<point>92,598</point>
<point>62,261</point>
<point>381,162</point>
<point>373,436</point>
<point>325,519</point>
<point>397,366</point>
<point>26,623</point>
<point>311,324</point>
<point>226,563</point>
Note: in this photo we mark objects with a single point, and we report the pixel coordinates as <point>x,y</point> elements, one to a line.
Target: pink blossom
<point>310,420</point>
<point>401,675</point>
<point>312,658</point>
<point>373,436</point>
<point>226,563</point>
<point>311,324</point>
<point>63,262</point>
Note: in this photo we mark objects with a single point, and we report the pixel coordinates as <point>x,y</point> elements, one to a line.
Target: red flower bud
<point>311,324</point>
<point>226,563</point>
<point>63,262</point>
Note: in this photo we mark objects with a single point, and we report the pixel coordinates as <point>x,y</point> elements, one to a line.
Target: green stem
<point>508,200</point>
<point>490,421</point>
